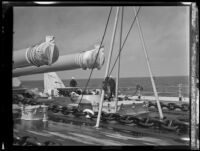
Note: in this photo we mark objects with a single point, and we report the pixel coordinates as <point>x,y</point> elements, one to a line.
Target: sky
<point>165,30</point>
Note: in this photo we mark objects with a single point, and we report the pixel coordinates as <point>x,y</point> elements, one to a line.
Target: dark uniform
<point>73,83</point>
<point>112,84</point>
<point>109,87</point>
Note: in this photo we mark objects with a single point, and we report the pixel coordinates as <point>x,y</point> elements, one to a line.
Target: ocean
<point>166,86</point>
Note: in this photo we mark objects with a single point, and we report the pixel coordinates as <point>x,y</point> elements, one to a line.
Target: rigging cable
<point>97,55</point>
<point>124,41</point>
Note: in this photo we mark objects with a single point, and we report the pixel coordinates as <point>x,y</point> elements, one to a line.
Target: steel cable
<point>124,41</point>
<point>96,56</point>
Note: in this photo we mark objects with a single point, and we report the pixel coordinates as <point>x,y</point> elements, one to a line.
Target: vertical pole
<point>112,42</point>
<point>107,67</point>
<point>149,68</point>
<point>118,69</point>
<point>193,62</point>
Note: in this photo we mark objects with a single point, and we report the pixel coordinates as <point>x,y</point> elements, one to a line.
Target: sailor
<point>139,89</point>
<point>112,85</point>
<point>180,92</point>
<point>105,87</point>
<point>73,82</point>
<point>109,87</point>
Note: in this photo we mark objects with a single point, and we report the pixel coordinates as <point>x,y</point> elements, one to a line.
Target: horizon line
<point>114,78</point>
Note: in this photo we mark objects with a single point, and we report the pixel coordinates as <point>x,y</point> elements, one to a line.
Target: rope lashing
<point>45,53</point>
<point>90,59</point>
<point>99,61</point>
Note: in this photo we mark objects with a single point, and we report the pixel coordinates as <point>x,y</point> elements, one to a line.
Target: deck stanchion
<point>107,68</point>
<point>118,69</point>
<point>149,68</point>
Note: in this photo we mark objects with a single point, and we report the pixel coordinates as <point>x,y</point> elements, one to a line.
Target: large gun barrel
<point>45,53</point>
<point>82,60</point>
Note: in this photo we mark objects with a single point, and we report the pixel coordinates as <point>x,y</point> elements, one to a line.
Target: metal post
<point>149,68</point>
<point>107,68</point>
<point>118,69</point>
<point>193,63</point>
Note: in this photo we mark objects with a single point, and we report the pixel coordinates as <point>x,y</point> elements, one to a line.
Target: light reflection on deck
<point>69,134</point>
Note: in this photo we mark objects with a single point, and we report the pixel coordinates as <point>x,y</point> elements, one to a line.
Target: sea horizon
<point>166,85</point>
<point>114,77</point>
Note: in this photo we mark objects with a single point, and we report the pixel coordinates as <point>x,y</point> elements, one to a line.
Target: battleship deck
<point>75,132</point>
<point>75,135</point>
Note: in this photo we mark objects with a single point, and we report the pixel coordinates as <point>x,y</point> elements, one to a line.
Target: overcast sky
<point>165,29</point>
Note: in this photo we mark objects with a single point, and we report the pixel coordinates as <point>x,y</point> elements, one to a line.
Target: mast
<point>107,67</point>
<point>149,68</point>
<point>118,69</point>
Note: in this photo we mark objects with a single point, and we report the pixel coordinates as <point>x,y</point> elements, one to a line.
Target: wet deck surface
<point>75,135</point>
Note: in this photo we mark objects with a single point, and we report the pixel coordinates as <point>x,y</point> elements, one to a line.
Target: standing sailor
<point>180,92</point>
<point>73,82</point>
<point>139,90</point>
<point>112,85</point>
<point>109,87</point>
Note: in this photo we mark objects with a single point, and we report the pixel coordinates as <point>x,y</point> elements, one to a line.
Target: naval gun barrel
<point>45,53</point>
<point>82,60</point>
